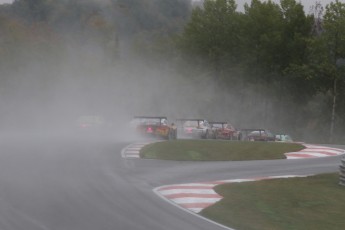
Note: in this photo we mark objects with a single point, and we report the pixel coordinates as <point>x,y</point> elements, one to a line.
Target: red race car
<point>156,127</point>
<point>223,130</point>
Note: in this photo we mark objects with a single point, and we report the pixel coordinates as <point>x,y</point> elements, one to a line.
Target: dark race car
<point>223,130</point>
<point>156,127</point>
<point>194,128</point>
<point>256,135</point>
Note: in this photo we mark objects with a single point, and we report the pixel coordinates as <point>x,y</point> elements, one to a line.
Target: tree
<point>213,35</point>
<point>263,30</point>
<point>333,37</point>
<point>32,10</point>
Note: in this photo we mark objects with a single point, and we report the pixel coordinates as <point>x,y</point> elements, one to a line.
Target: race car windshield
<point>152,121</point>
<point>257,133</point>
<point>145,121</point>
<point>217,125</point>
<point>191,124</point>
<point>229,126</point>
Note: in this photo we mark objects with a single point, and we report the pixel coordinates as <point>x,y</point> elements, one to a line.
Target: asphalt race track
<point>84,184</point>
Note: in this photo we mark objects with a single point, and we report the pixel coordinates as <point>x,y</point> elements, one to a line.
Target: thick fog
<point>50,95</point>
<point>77,73</point>
<point>43,95</point>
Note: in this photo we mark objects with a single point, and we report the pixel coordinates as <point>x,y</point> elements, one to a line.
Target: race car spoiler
<point>149,117</point>
<point>152,119</point>
<point>251,130</point>
<point>218,122</point>
<point>247,131</point>
<point>190,119</point>
<point>184,120</point>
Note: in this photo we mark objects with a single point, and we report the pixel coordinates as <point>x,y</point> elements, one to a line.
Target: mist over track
<point>84,183</point>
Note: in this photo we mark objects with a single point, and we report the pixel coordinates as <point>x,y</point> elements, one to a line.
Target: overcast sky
<point>306,3</point>
<point>6,1</point>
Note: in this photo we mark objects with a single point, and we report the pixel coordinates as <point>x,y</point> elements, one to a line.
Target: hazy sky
<point>5,1</point>
<point>306,3</point>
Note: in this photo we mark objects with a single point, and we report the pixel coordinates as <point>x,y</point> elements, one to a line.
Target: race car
<point>194,128</point>
<point>223,130</point>
<point>283,138</point>
<point>156,127</point>
<point>256,135</point>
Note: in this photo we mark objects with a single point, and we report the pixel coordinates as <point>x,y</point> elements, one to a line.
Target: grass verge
<point>315,202</point>
<point>217,150</point>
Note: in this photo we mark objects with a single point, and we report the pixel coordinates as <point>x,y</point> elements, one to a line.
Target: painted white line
<point>195,200</point>
<point>323,150</point>
<point>132,156</point>
<point>196,210</point>
<point>238,180</point>
<point>129,151</point>
<point>133,150</point>
<point>314,151</point>
<point>206,184</point>
<point>191,191</point>
<point>317,154</point>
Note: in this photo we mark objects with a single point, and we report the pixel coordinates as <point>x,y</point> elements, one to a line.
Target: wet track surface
<point>85,184</point>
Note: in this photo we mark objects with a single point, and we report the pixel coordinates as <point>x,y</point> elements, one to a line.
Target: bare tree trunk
<point>333,110</point>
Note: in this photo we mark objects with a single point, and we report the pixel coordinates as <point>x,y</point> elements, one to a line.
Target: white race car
<point>194,128</point>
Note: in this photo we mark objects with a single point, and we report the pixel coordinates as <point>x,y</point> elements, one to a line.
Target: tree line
<point>292,60</point>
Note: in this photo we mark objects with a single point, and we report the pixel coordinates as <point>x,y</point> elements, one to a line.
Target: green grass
<point>316,203</point>
<point>217,150</point>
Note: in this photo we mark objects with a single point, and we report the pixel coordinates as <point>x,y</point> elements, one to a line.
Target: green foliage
<point>212,34</point>
<point>274,48</point>
<point>264,24</point>
<point>334,30</point>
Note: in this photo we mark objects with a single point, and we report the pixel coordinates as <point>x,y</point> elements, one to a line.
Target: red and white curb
<point>194,197</point>
<point>314,151</point>
<point>133,150</point>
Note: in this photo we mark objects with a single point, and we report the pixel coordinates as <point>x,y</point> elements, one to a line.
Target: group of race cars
<point>158,127</point>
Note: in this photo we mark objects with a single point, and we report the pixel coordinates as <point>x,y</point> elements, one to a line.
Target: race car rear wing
<point>218,122</point>
<point>181,121</point>
<point>149,117</point>
<point>152,118</point>
<point>245,132</point>
<point>194,119</point>
<point>252,130</point>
